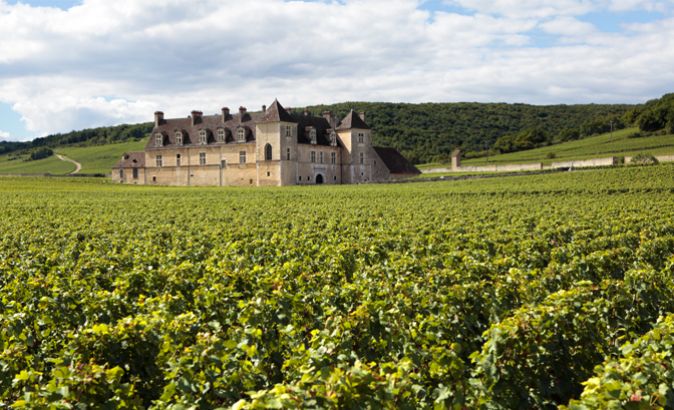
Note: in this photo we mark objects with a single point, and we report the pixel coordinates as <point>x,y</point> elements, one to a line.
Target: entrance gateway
<point>319,179</point>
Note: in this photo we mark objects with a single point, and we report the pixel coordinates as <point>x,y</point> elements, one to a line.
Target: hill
<point>95,159</point>
<point>627,142</point>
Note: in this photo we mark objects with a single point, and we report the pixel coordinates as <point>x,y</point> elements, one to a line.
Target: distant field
<point>99,159</point>
<point>51,165</point>
<point>95,159</point>
<point>618,143</point>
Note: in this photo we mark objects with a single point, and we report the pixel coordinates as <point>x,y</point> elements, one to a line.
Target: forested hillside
<point>429,132</point>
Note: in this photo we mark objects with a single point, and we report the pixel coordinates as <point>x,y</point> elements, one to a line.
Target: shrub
<point>644,159</point>
<point>41,153</point>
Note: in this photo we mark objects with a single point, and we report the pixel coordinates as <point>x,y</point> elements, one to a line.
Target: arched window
<point>267,152</point>
<point>177,160</point>
<point>203,137</point>
<point>221,135</point>
<point>241,135</point>
<point>158,140</point>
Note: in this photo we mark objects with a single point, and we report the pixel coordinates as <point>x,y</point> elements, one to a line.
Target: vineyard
<point>539,292</point>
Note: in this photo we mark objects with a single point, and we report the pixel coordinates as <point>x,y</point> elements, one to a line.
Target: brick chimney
<point>225,114</point>
<point>361,114</point>
<point>196,117</point>
<point>158,118</point>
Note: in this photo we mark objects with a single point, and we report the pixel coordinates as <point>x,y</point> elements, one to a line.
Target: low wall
<point>587,163</point>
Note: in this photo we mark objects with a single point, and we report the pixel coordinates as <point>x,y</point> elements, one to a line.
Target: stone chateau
<point>270,147</point>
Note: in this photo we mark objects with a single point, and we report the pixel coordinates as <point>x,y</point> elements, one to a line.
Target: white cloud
<point>4,135</point>
<point>106,62</point>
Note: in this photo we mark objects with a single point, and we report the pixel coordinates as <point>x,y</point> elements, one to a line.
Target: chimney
<point>242,110</point>
<point>329,118</point>
<point>225,114</point>
<point>158,118</point>
<point>196,117</point>
<point>361,114</point>
<point>264,108</point>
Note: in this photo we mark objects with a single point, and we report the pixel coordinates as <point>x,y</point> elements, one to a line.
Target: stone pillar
<point>456,159</point>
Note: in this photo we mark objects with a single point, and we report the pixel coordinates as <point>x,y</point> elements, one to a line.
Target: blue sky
<point>101,63</point>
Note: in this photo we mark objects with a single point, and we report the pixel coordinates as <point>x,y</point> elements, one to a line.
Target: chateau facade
<point>271,147</point>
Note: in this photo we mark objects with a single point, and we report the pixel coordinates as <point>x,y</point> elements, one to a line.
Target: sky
<point>73,64</point>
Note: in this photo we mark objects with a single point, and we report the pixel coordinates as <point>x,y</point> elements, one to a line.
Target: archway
<point>319,179</point>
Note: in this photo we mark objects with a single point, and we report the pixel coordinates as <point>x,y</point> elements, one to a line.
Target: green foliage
<point>332,297</point>
<point>644,159</point>
<point>526,139</point>
<point>41,153</point>
<point>640,378</point>
<point>656,115</point>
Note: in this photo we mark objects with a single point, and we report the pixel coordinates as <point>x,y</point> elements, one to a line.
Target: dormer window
<point>361,137</point>
<point>158,140</point>
<point>241,135</point>
<point>179,138</point>
<point>288,131</point>
<point>203,137</point>
<point>333,138</point>
<point>221,135</point>
<point>312,136</point>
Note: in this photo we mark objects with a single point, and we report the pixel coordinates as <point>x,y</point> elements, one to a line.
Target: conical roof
<point>276,113</point>
<point>352,120</point>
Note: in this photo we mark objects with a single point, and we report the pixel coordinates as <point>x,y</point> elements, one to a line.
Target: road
<point>78,166</point>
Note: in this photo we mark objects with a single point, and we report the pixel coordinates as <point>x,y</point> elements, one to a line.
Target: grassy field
<point>99,159</point>
<point>617,143</point>
<point>94,159</point>
<point>506,292</point>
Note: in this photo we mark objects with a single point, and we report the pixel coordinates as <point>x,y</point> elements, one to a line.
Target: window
<point>268,173</point>
<point>121,174</point>
<point>221,135</point>
<point>313,156</point>
<point>267,152</point>
<point>320,157</point>
<point>202,158</point>
<point>154,178</point>
<point>361,137</point>
<point>333,158</point>
<point>333,138</point>
<point>312,136</point>
<point>177,160</point>
<point>334,178</point>
<point>242,157</point>
<point>203,137</point>
<point>362,158</point>
<point>158,140</point>
<point>223,164</point>
<point>299,177</point>
<point>288,154</point>
<point>288,131</point>
<point>179,138</point>
<point>135,173</point>
<point>241,135</point>
<point>159,161</point>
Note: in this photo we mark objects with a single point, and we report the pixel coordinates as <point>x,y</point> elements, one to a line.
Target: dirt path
<point>78,166</point>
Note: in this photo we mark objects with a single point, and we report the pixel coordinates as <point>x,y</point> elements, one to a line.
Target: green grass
<point>51,165</point>
<point>618,143</point>
<point>99,159</point>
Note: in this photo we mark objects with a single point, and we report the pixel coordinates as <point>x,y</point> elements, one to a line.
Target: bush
<point>41,153</point>
<point>551,155</point>
<point>644,159</point>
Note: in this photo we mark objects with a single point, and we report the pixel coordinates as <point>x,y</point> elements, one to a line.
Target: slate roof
<point>395,162</point>
<point>131,160</point>
<point>352,120</point>
<point>248,121</point>
<point>276,113</point>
